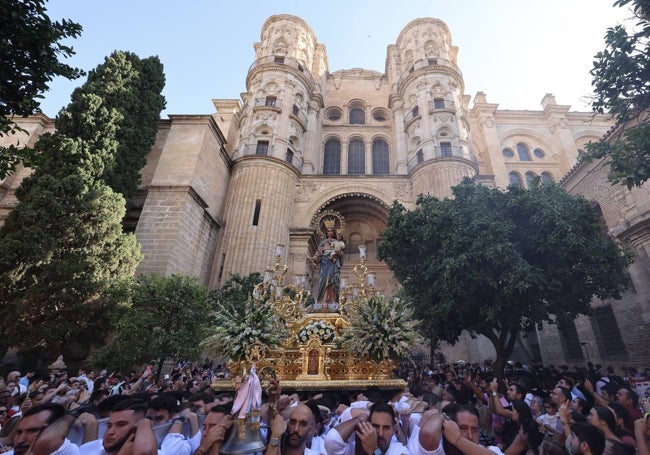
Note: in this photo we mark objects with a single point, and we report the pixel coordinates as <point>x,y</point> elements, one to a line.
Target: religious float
<point>350,343</point>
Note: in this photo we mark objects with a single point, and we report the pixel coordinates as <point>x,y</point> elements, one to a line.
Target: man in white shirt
<point>88,378</point>
<point>14,377</point>
<point>126,425</point>
<point>33,423</point>
<point>454,433</point>
<point>374,433</point>
<point>290,438</point>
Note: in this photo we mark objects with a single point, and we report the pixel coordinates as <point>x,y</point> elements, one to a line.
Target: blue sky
<point>513,50</point>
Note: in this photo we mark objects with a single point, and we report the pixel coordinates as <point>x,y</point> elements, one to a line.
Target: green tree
<point>62,246</point>
<point>493,262</point>
<point>136,95</point>
<point>235,291</point>
<point>163,318</point>
<point>621,83</point>
<point>30,48</point>
<point>131,88</point>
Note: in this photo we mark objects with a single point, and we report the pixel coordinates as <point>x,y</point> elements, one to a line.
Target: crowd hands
<point>110,413</point>
<point>448,410</point>
<point>549,410</point>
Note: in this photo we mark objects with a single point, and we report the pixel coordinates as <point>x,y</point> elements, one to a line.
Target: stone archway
<point>365,218</point>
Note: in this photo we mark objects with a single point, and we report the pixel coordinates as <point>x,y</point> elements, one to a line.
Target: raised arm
<point>53,436</point>
<point>641,432</point>
<point>478,393</point>
<point>494,402</point>
<point>452,434</point>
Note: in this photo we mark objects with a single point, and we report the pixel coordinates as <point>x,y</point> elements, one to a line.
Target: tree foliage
<point>163,318</point>
<point>134,92</point>
<point>235,292</point>
<point>126,91</point>
<point>493,262</point>
<point>62,246</point>
<point>30,49</point>
<point>621,82</point>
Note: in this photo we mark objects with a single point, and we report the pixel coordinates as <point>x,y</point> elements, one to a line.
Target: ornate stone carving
<point>403,190</point>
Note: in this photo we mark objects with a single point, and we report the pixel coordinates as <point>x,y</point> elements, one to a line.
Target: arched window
<point>332,157</point>
<point>547,178</point>
<point>357,116</point>
<point>380,158</point>
<point>508,153</point>
<point>515,179</point>
<point>420,156</point>
<point>524,154</point>
<point>356,157</point>
<point>530,179</point>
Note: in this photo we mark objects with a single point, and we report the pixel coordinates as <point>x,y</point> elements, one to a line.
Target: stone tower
<point>430,108</point>
<point>272,144</point>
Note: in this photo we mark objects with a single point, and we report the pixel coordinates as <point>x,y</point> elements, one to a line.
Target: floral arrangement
<point>243,333</point>
<point>382,329</point>
<point>324,330</point>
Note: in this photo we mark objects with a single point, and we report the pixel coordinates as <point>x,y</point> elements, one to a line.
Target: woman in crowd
<point>603,418</point>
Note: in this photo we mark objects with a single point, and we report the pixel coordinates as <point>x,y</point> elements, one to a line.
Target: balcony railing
<point>441,105</point>
<point>300,115</point>
<point>454,151</point>
<point>410,116</point>
<point>426,63</point>
<point>286,61</point>
<point>276,104</point>
<point>251,149</point>
<point>268,102</point>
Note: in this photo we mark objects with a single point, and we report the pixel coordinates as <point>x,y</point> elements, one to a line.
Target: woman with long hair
<point>605,419</point>
<point>514,441</point>
<point>623,422</point>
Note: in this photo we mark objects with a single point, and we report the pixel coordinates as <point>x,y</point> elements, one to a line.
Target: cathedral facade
<point>302,144</point>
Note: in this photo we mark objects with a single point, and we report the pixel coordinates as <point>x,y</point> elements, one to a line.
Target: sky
<point>515,51</point>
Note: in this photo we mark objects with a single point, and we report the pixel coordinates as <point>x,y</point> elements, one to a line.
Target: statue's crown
<point>329,223</point>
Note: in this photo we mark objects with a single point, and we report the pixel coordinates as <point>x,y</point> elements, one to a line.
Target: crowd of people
<point>446,409</point>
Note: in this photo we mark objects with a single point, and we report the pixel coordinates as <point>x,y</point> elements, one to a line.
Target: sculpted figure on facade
<point>328,255</point>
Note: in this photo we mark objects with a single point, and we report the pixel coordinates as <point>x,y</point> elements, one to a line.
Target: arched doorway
<point>363,218</point>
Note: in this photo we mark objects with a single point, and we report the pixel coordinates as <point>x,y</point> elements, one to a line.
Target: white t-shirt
<point>335,445</point>
<point>173,444</point>
<point>415,448</point>
<point>67,448</point>
<point>317,446</point>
